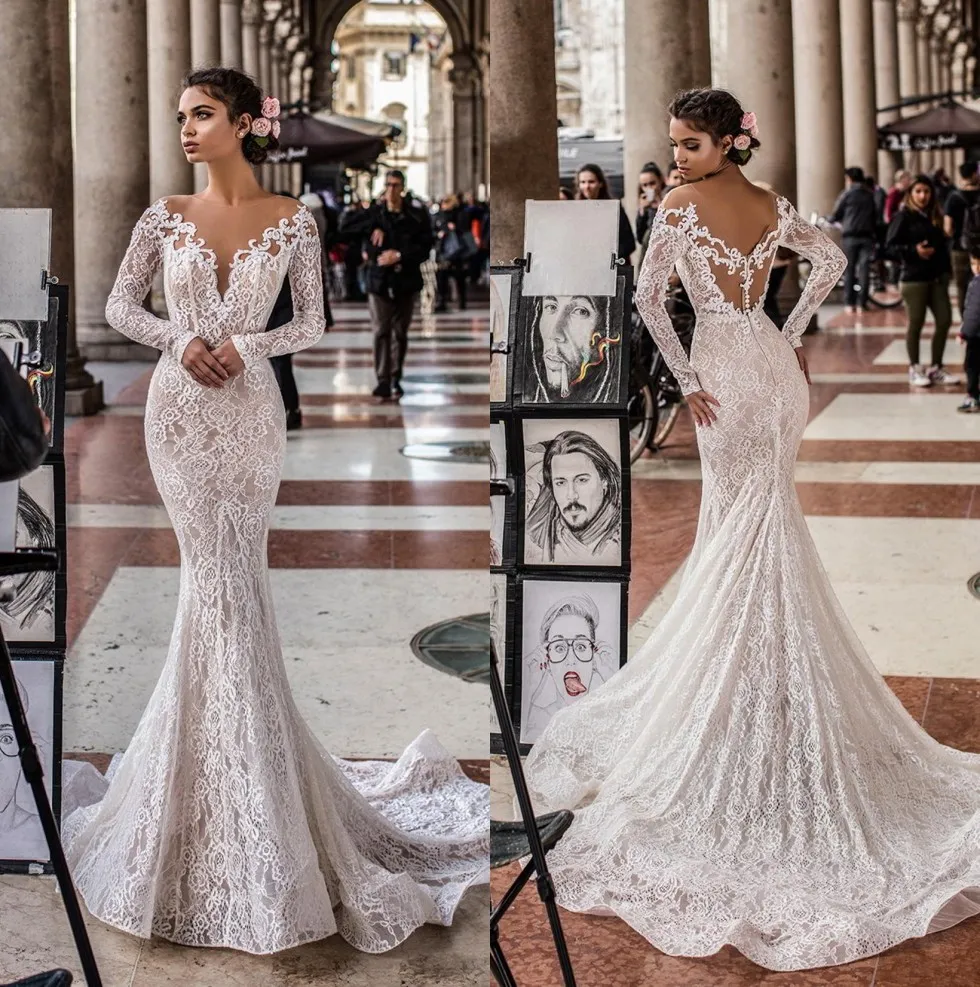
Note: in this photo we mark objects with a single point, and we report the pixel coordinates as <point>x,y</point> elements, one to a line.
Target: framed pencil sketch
<point>573,638</point>
<point>572,350</point>
<point>39,683</point>
<point>504,305</point>
<point>36,615</point>
<point>575,494</point>
<point>45,343</point>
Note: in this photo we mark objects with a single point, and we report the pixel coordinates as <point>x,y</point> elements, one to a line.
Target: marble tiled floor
<point>890,484</point>
<point>367,547</point>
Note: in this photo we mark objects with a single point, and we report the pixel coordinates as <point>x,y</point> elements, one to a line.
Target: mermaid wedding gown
<point>226,823</point>
<point>748,778</point>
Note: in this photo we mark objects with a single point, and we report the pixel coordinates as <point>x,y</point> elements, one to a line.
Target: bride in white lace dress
<point>748,777</point>
<point>226,823</point>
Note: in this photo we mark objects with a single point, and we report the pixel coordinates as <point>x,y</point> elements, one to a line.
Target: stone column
<point>523,117</point>
<point>907,13</point>
<point>886,80</point>
<point>763,83</point>
<point>205,33</point>
<point>83,395</point>
<point>230,17</point>
<point>168,59</point>
<point>264,172</point>
<point>858,84</point>
<point>820,124</point>
<point>465,79</point>
<point>251,21</point>
<point>700,43</point>
<point>112,172</point>
<point>650,82</point>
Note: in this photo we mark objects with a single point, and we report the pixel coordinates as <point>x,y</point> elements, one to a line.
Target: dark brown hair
<point>600,177</point>
<point>933,212</point>
<point>240,94</point>
<point>716,112</point>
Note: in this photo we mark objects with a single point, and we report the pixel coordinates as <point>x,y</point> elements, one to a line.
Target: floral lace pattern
<point>748,777</point>
<point>225,822</point>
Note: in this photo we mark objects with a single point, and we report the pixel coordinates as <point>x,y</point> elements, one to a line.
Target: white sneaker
<point>918,377</point>
<point>941,376</point>
<point>969,407</point>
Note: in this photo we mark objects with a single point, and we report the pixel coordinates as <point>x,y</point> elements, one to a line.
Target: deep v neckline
<point>195,242</point>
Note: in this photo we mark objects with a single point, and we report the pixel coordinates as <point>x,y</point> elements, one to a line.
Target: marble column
<point>654,26</point>
<point>251,21</point>
<point>264,172</point>
<point>230,16</point>
<point>112,169</point>
<point>907,13</point>
<point>858,84</point>
<point>83,394</point>
<point>763,83</point>
<point>887,88</point>
<point>168,58</point>
<point>819,116</point>
<point>523,115</point>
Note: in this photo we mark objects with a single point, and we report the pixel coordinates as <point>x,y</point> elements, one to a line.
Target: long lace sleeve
<point>306,283</point>
<point>666,244</point>
<point>827,264</point>
<point>124,309</point>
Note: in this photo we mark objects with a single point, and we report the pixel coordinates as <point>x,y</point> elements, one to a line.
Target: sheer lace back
<point>740,276</point>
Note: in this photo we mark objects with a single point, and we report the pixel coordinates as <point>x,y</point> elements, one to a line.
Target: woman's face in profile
<point>695,152</point>
<point>566,327</point>
<point>206,132</point>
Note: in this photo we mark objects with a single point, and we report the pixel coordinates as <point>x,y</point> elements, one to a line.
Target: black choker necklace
<point>711,174</point>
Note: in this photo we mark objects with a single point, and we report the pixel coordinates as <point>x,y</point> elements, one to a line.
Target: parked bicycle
<point>655,399</point>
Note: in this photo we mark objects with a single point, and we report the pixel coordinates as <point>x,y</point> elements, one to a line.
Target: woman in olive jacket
<point>916,239</point>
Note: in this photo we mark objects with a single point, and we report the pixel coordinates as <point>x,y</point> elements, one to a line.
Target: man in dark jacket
<point>399,239</point>
<point>857,213</point>
<point>957,207</point>
<point>970,334</point>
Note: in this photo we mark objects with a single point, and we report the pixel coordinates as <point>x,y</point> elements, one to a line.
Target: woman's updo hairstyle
<point>716,112</point>
<point>240,94</point>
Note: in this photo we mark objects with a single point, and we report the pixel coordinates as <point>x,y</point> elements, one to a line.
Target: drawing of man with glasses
<point>19,825</point>
<point>564,665</point>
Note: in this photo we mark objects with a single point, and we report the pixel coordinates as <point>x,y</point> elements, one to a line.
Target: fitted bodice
<point>195,303</point>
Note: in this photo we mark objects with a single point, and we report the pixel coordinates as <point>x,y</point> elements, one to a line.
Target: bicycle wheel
<point>642,412</point>
<point>666,424</point>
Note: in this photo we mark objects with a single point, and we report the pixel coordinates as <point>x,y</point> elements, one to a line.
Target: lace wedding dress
<point>748,778</point>
<point>225,822</point>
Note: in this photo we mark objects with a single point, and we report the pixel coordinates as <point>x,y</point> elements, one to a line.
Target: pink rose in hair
<point>748,122</point>
<point>270,107</point>
<point>742,142</point>
<point>276,129</point>
<point>261,127</point>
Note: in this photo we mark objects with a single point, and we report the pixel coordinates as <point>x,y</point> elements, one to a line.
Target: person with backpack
<point>961,220</point>
<point>916,239</point>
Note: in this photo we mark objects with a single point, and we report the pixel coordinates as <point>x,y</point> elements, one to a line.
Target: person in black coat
<point>916,239</point>
<point>857,213</point>
<point>398,241</point>
<point>970,334</point>
<point>454,249</point>
<point>591,184</point>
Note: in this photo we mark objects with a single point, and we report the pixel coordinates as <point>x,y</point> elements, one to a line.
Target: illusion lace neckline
<point>261,245</point>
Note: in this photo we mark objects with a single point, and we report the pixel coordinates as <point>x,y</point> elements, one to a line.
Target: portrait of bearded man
<point>576,516</point>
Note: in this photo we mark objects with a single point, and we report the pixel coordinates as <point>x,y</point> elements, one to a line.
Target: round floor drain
<point>450,452</point>
<point>973,584</point>
<point>459,647</point>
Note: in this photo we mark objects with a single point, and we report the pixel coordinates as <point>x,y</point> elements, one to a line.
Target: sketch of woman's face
<point>571,650</point>
<point>566,327</point>
<point>9,762</point>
